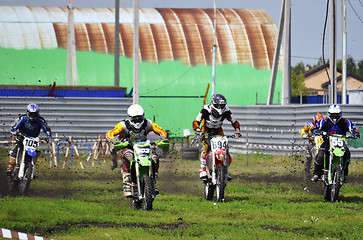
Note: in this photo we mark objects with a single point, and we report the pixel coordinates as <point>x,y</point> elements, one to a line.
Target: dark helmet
<point>218,104</point>
<point>335,113</point>
<point>32,112</point>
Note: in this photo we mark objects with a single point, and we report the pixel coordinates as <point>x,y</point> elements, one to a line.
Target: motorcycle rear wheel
<point>327,192</point>
<point>13,181</point>
<point>221,182</point>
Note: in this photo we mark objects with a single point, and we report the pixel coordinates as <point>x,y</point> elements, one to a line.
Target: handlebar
<point>212,135</point>
<point>122,144</point>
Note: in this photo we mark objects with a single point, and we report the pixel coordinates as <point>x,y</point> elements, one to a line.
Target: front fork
<point>138,178</point>
<point>214,177</point>
<point>138,181</point>
<point>22,166</point>
<point>328,169</point>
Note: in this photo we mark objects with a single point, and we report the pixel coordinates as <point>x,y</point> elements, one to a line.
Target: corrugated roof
<point>244,36</point>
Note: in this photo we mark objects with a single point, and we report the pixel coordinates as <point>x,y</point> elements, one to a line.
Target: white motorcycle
<point>218,161</point>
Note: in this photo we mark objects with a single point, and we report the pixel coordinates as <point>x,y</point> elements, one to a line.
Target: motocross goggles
<point>219,106</point>
<point>33,115</point>
<point>137,119</point>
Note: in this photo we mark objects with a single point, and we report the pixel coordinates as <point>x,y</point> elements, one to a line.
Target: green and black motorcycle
<point>143,171</point>
<point>333,176</point>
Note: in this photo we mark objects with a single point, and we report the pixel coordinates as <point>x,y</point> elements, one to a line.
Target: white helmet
<point>335,113</point>
<point>136,116</point>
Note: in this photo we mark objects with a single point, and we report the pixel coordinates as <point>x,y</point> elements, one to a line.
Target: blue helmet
<point>32,112</point>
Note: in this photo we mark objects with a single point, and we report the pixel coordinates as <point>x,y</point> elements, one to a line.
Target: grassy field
<point>267,199</point>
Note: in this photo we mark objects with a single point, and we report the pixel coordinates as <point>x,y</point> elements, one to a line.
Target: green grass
<point>267,199</point>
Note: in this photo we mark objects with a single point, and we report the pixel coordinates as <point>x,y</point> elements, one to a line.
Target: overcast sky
<point>307,20</point>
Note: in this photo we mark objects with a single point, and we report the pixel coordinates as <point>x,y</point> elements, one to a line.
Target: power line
<point>360,3</point>
<point>355,11</point>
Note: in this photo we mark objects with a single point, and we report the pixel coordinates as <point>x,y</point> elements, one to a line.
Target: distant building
<point>356,96</point>
<point>317,82</point>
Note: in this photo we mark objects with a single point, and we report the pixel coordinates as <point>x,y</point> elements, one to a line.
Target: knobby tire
<point>335,187</point>
<point>147,203</point>
<point>208,190</point>
<point>25,181</point>
<point>221,182</point>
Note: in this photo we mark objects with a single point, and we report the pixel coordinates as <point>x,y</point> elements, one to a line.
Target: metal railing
<point>265,129</point>
<point>78,118</point>
<point>275,129</point>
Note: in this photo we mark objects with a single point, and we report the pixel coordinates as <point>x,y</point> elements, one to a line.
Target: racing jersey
<point>341,127</point>
<point>213,124</point>
<point>30,128</point>
<point>123,130</point>
<point>310,128</point>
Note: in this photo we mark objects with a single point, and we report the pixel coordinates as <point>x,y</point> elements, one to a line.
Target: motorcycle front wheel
<point>208,190</point>
<point>335,187</point>
<point>147,202</point>
<point>25,181</point>
<point>221,182</point>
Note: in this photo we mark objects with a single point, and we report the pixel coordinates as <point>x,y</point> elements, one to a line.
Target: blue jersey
<point>341,127</point>
<point>30,128</point>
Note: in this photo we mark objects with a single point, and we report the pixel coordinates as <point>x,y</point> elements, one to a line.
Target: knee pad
<point>154,157</point>
<point>128,155</point>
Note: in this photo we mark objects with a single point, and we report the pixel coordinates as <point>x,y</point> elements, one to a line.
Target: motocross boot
<point>156,189</point>
<point>317,172</point>
<point>113,159</point>
<point>126,179</point>
<point>114,164</point>
<point>11,166</point>
<point>202,171</point>
<point>346,170</point>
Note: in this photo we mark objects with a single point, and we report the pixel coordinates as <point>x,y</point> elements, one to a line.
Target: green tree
<point>351,66</point>
<point>360,69</point>
<point>297,80</point>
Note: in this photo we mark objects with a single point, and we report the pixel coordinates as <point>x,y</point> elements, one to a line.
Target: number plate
<point>219,142</point>
<point>318,140</point>
<point>31,143</point>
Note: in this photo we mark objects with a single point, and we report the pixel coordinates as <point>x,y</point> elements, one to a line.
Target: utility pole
<point>332,52</point>
<point>135,95</point>
<point>214,50</point>
<point>286,75</point>
<point>275,63</point>
<point>344,48</point>
<point>117,43</point>
<point>71,47</point>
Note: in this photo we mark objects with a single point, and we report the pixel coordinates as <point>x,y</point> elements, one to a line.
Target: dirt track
<point>168,181</point>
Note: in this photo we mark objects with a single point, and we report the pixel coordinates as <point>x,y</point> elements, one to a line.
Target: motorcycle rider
<point>333,124</point>
<point>310,127</point>
<point>212,117</point>
<point>308,131</point>
<point>28,124</point>
<point>135,128</point>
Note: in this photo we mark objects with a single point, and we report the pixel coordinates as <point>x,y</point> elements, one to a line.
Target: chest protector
<point>137,135</point>
<point>211,121</point>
